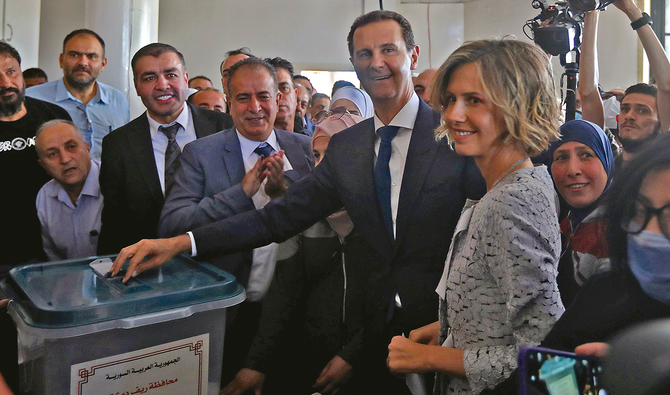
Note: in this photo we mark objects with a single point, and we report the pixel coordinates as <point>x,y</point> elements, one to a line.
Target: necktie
<point>264,149</point>
<point>383,174</point>
<point>171,154</point>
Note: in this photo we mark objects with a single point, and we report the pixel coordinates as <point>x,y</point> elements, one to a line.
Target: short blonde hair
<point>517,77</point>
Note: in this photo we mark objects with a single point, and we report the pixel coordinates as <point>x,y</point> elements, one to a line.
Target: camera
<point>588,5</point>
<point>557,30</point>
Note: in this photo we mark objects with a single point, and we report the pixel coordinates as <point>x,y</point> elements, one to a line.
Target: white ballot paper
<point>102,266</point>
<point>415,382</point>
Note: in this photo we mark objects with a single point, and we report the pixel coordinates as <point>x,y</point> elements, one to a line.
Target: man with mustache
<point>22,177</point>
<point>139,159</point>
<point>639,121</point>
<point>234,171</point>
<point>95,108</point>
<point>644,108</point>
<point>20,117</point>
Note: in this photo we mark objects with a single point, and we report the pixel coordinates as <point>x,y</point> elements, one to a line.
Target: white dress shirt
<point>264,258</point>
<point>159,140</point>
<point>404,119</point>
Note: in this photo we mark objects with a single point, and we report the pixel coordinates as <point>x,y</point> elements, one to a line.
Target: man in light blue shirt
<point>69,206</point>
<point>95,108</point>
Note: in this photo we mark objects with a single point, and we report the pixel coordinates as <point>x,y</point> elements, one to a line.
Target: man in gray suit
<point>233,171</point>
<point>227,173</point>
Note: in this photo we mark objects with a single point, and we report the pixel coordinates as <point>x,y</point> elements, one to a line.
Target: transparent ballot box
<point>81,333</point>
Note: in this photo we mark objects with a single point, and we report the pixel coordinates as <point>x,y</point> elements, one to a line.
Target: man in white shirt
<point>70,205</point>
<point>139,159</point>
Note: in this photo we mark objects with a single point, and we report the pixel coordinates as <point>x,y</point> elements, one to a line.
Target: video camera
<point>558,28</point>
<point>558,31</point>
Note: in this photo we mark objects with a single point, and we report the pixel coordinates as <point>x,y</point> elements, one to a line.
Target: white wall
<point>445,23</point>
<point>617,43</point>
<point>22,29</point>
<point>59,17</point>
<point>310,34</point>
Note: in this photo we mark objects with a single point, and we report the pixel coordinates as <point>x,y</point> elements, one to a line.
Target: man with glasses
<point>95,108</point>
<point>402,189</point>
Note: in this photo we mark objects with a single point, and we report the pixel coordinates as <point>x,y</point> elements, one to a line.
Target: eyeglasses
<point>641,214</point>
<point>607,95</point>
<point>335,113</point>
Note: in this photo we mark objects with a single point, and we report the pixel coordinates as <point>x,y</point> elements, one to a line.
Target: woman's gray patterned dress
<point>500,279</point>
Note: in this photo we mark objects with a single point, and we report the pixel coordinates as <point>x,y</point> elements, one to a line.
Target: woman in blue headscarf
<point>582,168</point>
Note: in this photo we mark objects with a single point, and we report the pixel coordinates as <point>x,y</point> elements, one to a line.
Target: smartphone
<point>553,372</point>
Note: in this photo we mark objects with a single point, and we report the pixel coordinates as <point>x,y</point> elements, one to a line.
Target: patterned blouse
<point>500,279</point>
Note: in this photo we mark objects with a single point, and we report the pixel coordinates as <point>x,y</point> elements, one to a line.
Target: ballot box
<point>80,332</point>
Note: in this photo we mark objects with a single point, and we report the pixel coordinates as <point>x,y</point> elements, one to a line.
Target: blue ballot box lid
<point>70,293</point>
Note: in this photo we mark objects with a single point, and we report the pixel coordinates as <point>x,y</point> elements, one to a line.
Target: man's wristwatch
<point>644,20</point>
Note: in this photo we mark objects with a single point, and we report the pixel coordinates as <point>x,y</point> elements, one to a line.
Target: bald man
<point>423,85</point>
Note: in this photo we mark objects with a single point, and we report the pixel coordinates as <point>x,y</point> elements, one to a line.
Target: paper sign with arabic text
<point>179,367</point>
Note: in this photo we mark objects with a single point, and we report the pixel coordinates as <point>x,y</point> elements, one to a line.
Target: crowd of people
<point>417,227</point>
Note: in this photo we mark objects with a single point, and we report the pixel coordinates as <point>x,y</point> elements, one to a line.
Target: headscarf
<point>591,135</point>
<point>329,126</point>
<point>358,97</point>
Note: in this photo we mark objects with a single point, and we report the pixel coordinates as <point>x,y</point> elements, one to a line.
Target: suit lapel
<point>232,157</point>
<point>143,151</point>
<point>362,156</point>
<point>294,153</point>
<point>201,123</point>
<point>420,156</point>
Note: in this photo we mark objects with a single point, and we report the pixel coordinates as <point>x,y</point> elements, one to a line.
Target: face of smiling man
<point>384,66</point>
<point>162,84</point>
<point>253,102</point>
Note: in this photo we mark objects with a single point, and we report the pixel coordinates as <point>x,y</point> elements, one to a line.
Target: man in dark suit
<point>402,189</point>
<point>135,167</point>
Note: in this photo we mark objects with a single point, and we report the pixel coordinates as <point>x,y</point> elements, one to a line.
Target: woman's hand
<point>427,334</point>
<point>407,356</point>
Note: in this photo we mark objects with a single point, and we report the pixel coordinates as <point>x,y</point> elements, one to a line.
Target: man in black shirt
<point>22,177</point>
<point>20,117</point>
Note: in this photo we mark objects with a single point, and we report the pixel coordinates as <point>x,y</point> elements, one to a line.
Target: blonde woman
<point>498,290</point>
